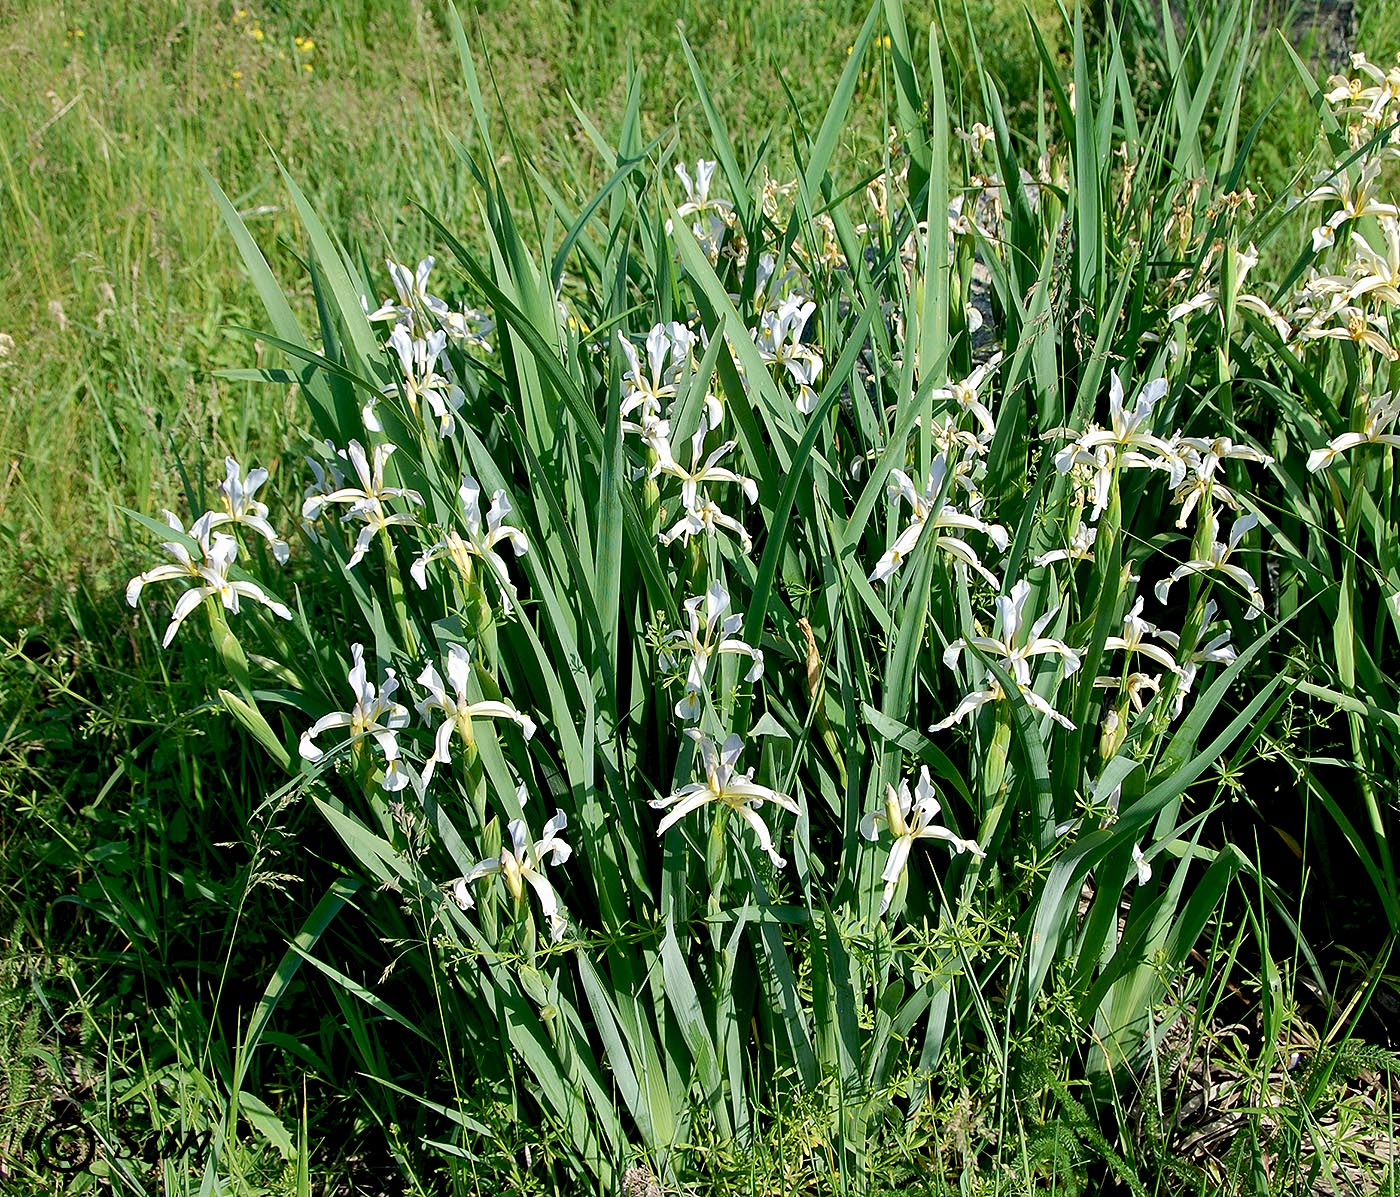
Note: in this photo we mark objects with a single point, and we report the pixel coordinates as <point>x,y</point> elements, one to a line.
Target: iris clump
<point>925,521</point>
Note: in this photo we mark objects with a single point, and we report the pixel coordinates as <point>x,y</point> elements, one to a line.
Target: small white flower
<point>521,863</point>
<point>457,711</point>
<point>1216,651</point>
<point>1380,417</point>
<point>1371,330</point>
<point>770,287</point>
<point>186,566</point>
<point>714,216</point>
<point>422,381</point>
<point>1013,657</point>
<point>469,327</point>
<point>929,505</point>
<point>652,387</point>
<point>365,503</point>
<point>416,308</point>
<point>1377,274</point>
<point>374,714</point>
<point>1137,686</point>
<point>700,514</point>
<point>966,394</point>
<point>1204,460</point>
<point>1357,198</point>
<point>708,636</point>
<point>327,476</point>
<point>370,495</point>
<point>725,785</point>
<point>779,342</point>
<point>209,575</point>
<point>1134,638</point>
<point>240,507</point>
<point>1218,561</point>
<point>960,224</point>
<point>1144,870</point>
<point>698,201</point>
<point>376,520</point>
<point>1243,261</point>
<point>707,472</point>
<point>1081,547</point>
<point>908,817</point>
<point>707,518</point>
<point>479,544</point>
<point>978,137</point>
<point>1128,441</point>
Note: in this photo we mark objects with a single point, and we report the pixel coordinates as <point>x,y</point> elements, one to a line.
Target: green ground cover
<point>160,854</point>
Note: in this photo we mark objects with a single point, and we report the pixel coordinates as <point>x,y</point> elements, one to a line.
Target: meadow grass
<point>160,870</point>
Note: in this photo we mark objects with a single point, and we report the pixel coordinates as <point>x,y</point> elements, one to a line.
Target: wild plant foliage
<point>771,635</point>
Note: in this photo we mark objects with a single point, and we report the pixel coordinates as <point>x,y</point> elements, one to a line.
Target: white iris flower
<point>709,635</point>
<point>1378,274</point>
<point>1381,413</point>
<point>700,514</point>
<point>709,519</point>
<point>1134,639</point>
<point>240,507</point>
<point>415,306</point>
<point>1014,658</point>
<point>1243,261</point>
<point>457,711</point>
<point>1218,561</point>
<point>1204,460</point>
<point>479,544</point>
<point>967,395</point>
<point>209,575</point>
<point>423,383</point>
<point>779,342</point>
<point>929,505</point>
<point>725,785</point>
<point>1140,865</point>
<point>365,502</point>
<point>1216,651</point>
<point>1128,441</point>
<point>375,714</point>
<point>521,863</point>
<point>909,816</point>
<point>653,386</point>
<point>713,215</point>
<point>422,313</point>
